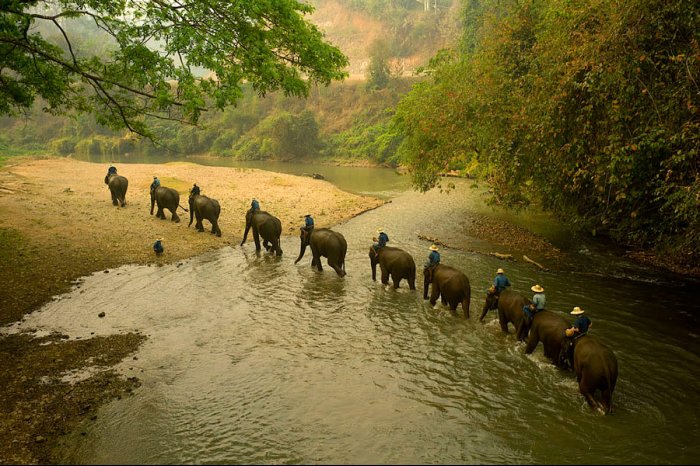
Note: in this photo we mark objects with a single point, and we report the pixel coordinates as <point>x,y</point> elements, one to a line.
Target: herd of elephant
<point>593,362</point>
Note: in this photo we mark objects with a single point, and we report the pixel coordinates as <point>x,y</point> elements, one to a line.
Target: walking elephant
<point>596,369</point>
<point>324,243</point>
<point>117,187</point>
<point>266,225</point>
<point>449,284</point>
<point>393,262</point>
<point>548,328</point>
<point>205,208</point>
<point>166,198</point>
<point>510,309</point>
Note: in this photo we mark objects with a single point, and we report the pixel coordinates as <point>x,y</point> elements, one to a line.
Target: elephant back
<point>118,182</point>
<point>392,256</point>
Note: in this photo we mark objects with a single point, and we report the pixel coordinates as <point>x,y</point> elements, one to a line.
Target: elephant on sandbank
<point>166,198</point>
<point>205,208</point>
<point>510,310</point>
<point>264,225</point>
<point>324,242</point>
<point>449,284</point>
<point>395,263</point>
<point>117,185</point>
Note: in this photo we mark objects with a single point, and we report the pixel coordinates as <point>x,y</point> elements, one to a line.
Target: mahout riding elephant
<point>393,262</point>
<point>510,309</point>
<point>595,366</point>
<point>324,242</point>
<point>549,328</point>
<point>449,284</point>
<point>205,208</point>
<point>266,225</point>
<point>166,198</point>
<point>117,187</point>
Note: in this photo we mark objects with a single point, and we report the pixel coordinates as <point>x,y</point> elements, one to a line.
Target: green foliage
<point>154,56</point>
<point>589,109</point>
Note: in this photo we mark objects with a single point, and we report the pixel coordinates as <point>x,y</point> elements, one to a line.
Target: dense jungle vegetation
<point>588,109</point>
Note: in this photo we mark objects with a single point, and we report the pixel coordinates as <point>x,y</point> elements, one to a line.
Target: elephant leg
<point>444,300</point>
<point>175,218</point>
<point>412,283</point>
<point>465,307</point>
<point>397,281</point>
<point>215,230</point>
<point>532,341</point>
<point>338,269</point>
<point>114,199</point>
<point>160,214</point>
<point>434,294</point>
<point>256,238</point>
<point>607,401</point>
<point>385,277</point>
<point>199,225</point>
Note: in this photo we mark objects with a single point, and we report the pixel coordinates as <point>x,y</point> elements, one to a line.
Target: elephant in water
<point>450,284</point>
<point>266,225</point>
<point>324,242</point>
<point>117,187</point>
<point>393,262</point>
<point>205,208</point>
<point>166,198</point>
<point>548,328</point>
<point>510,309</point>
<point>596,369</point>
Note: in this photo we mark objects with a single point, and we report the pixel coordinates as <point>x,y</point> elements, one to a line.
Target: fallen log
<point>432,240</point>
<point>502,256</point>
<point>527,259</point>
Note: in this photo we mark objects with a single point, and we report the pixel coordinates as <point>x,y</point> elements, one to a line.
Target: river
<point>252,359</point>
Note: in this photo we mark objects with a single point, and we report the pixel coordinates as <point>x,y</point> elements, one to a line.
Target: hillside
<point>408,35</point>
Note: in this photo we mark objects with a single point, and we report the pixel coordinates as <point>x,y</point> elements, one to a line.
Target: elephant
<point>450,284</point>
<point>510,309</point>
<point>548,328</point>
<point>393,262</point>
<point>324,242</point>
<point>595,366</point>
<point>166,198</point>
<point>266,225</point>
<point>117,187</point>
<point>205,208</point>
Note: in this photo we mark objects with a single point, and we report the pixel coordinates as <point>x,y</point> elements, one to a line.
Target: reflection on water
<point>253,359</point>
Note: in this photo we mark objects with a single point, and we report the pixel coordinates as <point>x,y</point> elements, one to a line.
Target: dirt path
<point>58,224</point>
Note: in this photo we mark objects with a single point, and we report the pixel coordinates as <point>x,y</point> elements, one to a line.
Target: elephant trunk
<point>153,201</point>
<point>191,210</point>
<point>301,252</point>
<point>245,234</point>
<point>426,284</point>
<point>373,263</point>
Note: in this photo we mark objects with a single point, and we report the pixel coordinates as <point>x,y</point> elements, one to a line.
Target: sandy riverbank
<point>58,224</point>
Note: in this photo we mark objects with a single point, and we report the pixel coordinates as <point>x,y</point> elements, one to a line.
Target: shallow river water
<point>253,359</point>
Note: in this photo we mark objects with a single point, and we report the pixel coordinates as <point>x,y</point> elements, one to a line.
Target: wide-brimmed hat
<point>577,310</point>
<point>500,271</point>
<point>307,215</point>
<point>433,248</point>
<point>159,239</point>
<point>154,177</point>
<point>380,230</point>
<point>537,289</point>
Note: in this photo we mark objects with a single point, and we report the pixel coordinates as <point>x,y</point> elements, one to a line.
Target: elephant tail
<point>182,208</point>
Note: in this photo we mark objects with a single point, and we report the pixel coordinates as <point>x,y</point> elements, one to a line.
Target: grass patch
<point>11,241</point>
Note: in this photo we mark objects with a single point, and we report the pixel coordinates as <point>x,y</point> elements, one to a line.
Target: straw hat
<point>159,239</point>
<point>380,230</point>
<point>577,310</point>
<point>433,248</point>
<point>537,289</point>
<point>307,215</point>
<point>500,271</point>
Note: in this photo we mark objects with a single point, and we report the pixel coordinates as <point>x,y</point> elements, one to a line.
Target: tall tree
<point>155,53</point>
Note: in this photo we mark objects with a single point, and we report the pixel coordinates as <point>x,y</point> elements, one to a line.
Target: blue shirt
<point>255,205</point>
<point>539,301</point>
<point>309,222</point>
<point>157,246</point>
<point>195,190</point>
<point>501,282</point>
<point>155,184</point>
<point>433,258</point>
<point>582,323</point>
<point>382,240</point>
